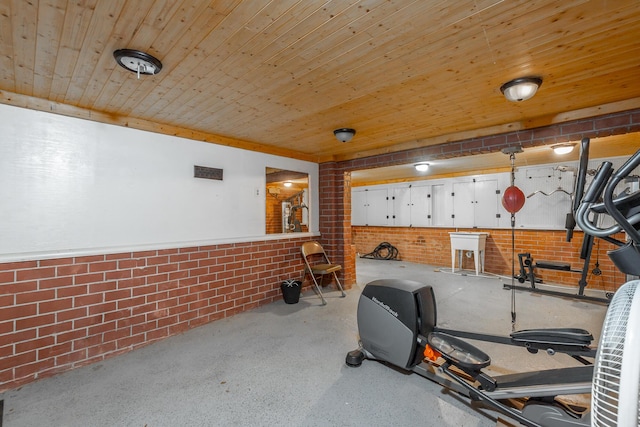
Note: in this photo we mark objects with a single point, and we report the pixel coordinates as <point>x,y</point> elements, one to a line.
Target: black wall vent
<point>207,173</point>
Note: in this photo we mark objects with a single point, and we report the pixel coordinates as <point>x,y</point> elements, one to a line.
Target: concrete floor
<point>283,365</point>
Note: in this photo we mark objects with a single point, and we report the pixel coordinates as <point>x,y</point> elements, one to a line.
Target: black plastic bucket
<point>291,291</point>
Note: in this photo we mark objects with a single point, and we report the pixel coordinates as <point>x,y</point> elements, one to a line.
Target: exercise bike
<point>397,322</point>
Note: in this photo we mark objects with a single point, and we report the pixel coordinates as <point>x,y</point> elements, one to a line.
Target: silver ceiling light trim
<point>521,89</point>
<point>344,134</point>
<point>137,62</point>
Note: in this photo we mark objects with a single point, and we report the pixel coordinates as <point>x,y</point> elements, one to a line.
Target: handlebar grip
<point>581,177</point>
<point>609,203</point>
<point>599,183</point>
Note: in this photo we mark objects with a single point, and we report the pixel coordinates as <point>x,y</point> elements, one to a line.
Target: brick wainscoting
<point>58,314</point>
<point>432,246</point>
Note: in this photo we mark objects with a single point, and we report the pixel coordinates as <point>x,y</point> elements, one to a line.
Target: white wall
<point>71,186</point>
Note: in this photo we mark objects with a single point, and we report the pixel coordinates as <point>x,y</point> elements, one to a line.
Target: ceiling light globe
<point>344,134</point>
<point>421,167</point>
<point>521,89</point>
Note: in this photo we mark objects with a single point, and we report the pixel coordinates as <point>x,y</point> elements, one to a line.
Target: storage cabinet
<point>420,206</point>
<point>369,206</point>
<point>405,206</point>
<point>476,203</point>
<point>468,201</point>
<point>439,206</point>
<point>400,203</point>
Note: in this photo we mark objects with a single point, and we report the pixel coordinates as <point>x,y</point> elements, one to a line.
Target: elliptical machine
<point>397,322</point>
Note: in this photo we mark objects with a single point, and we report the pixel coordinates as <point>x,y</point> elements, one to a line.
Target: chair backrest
<point>311,248</point>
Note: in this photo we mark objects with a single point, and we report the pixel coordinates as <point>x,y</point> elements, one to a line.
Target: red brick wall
<point>58,314</point>
<point>335,220</point>
<point>432,246</point>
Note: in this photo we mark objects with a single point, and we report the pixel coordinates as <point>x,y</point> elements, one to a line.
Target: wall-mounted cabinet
<point>369,206</point>
<point>439,206</point>
<point>476,203</point>
<point>400,206</point>
<point>381,206</point>
<point>441,203</point>
<point>420,206</point>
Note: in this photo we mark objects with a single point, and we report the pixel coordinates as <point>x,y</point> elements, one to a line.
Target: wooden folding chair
<point>317,264</point>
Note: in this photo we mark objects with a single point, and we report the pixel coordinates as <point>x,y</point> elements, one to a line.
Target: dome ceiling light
<point>421,167</point>
<point>137,62</point>
<point>344,134</point>
<point>563,148</point>
<point>521,89</point>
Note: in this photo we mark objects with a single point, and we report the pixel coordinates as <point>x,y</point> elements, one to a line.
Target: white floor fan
<point>615,393</point>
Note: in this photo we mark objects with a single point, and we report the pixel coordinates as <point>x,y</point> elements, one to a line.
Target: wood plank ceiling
<point>278,76</point>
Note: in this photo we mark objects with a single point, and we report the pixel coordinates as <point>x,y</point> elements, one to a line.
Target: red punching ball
<point>513,199</point>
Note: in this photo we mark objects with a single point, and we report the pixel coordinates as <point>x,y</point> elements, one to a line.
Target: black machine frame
<point>527,264</point>
<point>397,320</point>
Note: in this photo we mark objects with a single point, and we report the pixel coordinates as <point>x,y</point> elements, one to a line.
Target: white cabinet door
<point>421,206</point>
<point>359,207</point>
<point>486,203</point>
<point>439,206</point>
<point>377,209</point>
<point>369,206</point>
<point>475,203</point>
<point>401,202</point>
<point>463,204</point>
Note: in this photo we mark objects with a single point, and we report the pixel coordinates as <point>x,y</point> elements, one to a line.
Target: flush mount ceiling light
<point>521,89</point>
<point>137,61</point>
<point>288,184</point>
<point>344,134</point>
<point>421,167</point>
<point>563,148</point>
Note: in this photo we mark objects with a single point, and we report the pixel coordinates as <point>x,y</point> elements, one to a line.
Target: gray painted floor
<point>283,365</point>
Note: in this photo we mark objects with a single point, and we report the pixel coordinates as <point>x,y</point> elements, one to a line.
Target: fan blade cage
<point>616,376</point>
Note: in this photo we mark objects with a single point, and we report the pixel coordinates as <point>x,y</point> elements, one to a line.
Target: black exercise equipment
<point>527,266</point>
<point>625,210</point>
<point>397,324</point>
<point>397,319</point>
